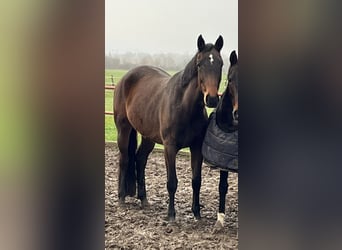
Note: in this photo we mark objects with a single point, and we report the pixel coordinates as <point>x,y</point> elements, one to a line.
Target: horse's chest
<point>181,126</point>
<point>186,134</point>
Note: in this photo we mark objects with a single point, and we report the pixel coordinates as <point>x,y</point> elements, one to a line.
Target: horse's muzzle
<point>211,101</point>
<point>236,115</point>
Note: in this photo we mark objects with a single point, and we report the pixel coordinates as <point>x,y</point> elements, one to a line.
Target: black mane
<point>190,71</point>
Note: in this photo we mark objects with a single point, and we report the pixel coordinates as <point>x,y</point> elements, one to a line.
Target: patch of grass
<point>117,74</point>
<point>109,100</point>
<point>110,129</point>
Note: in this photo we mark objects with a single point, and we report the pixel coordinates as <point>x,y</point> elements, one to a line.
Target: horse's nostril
<point>236,115</point>
<point>211,101</point>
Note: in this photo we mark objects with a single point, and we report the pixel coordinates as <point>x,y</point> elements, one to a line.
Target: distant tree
<point>112,62</point>
<point>146,60</point>
<point>166,61</point>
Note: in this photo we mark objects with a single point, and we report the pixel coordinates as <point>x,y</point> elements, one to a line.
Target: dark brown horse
<point>169,111</point>
<point>227,120</point>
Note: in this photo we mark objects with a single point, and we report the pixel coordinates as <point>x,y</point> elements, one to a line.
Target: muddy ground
<point>131,227</point>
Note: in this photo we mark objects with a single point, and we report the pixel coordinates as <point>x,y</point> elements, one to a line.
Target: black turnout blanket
<point>220,148</point>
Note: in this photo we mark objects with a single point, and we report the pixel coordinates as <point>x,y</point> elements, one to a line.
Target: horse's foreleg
<point>196,166</point>
<point>170,160</point>
<point>223,188</point>
<point>144,150</point>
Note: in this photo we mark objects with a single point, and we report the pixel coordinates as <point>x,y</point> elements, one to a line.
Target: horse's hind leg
<point>127,143</point>
<point>144,150</point>
<point>223,188</point>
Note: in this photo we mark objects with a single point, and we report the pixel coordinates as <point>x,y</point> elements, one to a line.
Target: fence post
<point>112,79</point>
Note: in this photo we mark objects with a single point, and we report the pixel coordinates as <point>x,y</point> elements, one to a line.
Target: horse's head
<point>227,109</point>
<point>209,67</point>
<point>233,85</point>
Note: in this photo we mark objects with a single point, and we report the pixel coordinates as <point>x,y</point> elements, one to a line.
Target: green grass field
<point>116,73</point>
<point>110,130</point>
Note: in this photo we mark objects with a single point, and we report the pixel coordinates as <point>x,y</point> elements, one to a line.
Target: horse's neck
<point>224,110</point>
<point>188,93</point>
<point>192,95</point>
<point>192,100</point>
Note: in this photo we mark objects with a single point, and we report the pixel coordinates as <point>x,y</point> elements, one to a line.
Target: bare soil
<point>131,227</point>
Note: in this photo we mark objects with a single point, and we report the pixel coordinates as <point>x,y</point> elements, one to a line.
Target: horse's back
<point>146,75</point>
<point>138,96</point>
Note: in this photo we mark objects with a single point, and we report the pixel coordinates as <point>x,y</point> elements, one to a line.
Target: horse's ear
<point>219,43</point>
<point>233,58</point>
<point>200,43</point>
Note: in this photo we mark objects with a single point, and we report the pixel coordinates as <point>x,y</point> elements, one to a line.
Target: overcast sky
<point>155,26</point>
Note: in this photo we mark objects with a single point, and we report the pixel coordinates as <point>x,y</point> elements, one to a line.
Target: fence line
<point>110,87</point>
<point>113,79</point>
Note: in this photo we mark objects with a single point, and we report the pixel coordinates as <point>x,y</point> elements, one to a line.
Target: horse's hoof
<point>218,227</point>
<point>196,211</point>
<point>171,218</point>
<point>145,203</point>
<point>131,193</point>
<point>197,214</point>
<point>122,202</point>
<point>197,217</point>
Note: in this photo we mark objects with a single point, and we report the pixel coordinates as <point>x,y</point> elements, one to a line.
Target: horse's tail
<point>131,171</point>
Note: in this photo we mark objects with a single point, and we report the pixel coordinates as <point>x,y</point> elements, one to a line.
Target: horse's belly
<point>147,126</point>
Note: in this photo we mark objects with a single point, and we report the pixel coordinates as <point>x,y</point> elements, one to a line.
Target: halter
<point>198,62</point>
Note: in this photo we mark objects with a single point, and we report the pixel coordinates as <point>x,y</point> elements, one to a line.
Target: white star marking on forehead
<point>211,58</point>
